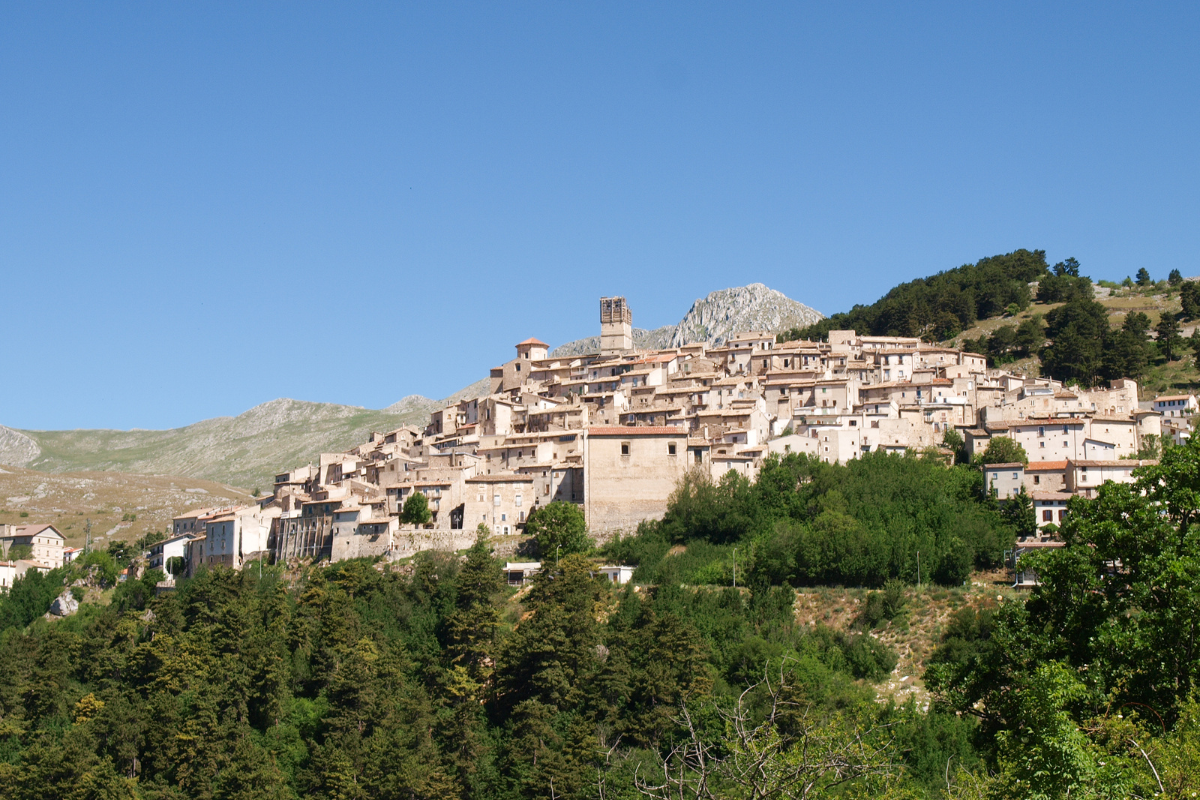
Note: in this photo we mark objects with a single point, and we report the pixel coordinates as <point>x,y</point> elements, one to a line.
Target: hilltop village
<point>614,431</point>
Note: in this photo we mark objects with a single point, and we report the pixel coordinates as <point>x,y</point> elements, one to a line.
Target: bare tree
<point>784,751</point>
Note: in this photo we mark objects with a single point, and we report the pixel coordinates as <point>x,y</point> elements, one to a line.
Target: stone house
<point>44,541</point>
<point>502,502</point>
<point>629,473</point>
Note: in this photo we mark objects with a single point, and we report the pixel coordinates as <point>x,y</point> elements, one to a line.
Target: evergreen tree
<point>1030,336</point>
<point>1137,324</point>
<point>1077,332</point>
<point>1169,339</point>
<point>1069,267</point>
<point>1143,277</point>
<point>472,626</point>
<point>1125,356</point>
<point>1175,278</point>
<point>1018,512</point>
<point>1189,297</point>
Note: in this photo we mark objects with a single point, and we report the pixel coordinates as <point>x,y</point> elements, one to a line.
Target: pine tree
<point>1018,512</point>
<point>1189,298</point>
<point>1169,339</point>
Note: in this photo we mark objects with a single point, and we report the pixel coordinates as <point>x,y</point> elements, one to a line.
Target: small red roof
<point>532,340</point>
<point>1043,466</point>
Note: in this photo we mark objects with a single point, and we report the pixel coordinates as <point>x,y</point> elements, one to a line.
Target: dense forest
<point>435,679</point>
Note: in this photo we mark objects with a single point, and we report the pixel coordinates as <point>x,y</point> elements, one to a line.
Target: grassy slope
<point>243,451</point>
<point>914,634</point>
<point>246,450</point>
<point>68,500</point>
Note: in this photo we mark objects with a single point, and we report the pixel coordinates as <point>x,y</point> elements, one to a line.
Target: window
<point>1047,515</point>
<point>1016,476</point>
<point>1037,479</point>
<point>517,501</point>
<point>671,449</point>
<point>496,499</point>
<point>518,367</point>
<point>624,448</point>
<point>1066,429</point>
<point>521,517</point>
<point>503,517</point>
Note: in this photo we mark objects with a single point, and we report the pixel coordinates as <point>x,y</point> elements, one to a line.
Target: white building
<point>617,573</point>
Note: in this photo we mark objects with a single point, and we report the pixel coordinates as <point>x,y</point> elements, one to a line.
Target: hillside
<point>1007,308</point>
<point>120,506</point>
<point>713,318</point>
<point>246,450</point>
<point>1160,377</point>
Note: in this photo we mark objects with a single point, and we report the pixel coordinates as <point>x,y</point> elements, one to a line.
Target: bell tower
<point>616,326</point>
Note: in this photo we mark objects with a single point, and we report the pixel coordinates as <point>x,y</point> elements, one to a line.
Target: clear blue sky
<point>207,206</point>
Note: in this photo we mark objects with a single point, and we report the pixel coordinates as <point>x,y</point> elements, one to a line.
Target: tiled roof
<point>630,430</point>
<point>1046,466</point>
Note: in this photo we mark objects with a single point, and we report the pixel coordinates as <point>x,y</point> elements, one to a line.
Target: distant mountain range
<point>249,449</point>
<point>713,318</point>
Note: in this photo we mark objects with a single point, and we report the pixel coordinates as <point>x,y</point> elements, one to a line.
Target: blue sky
<point>207,206</point>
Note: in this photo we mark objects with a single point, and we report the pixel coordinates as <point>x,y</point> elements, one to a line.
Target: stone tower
<point>616,326</point>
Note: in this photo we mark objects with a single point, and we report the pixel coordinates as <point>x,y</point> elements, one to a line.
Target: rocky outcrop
<point>16,448</point>
<point>749,308</point>
<point>712,319</point>
<point>64,605</point>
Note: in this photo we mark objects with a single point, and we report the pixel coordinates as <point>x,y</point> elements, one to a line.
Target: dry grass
<point>67,500</point>
<point>914,634</point>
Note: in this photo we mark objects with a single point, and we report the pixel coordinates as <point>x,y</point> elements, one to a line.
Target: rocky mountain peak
<point>713,318</point>
<point>746,308</point>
